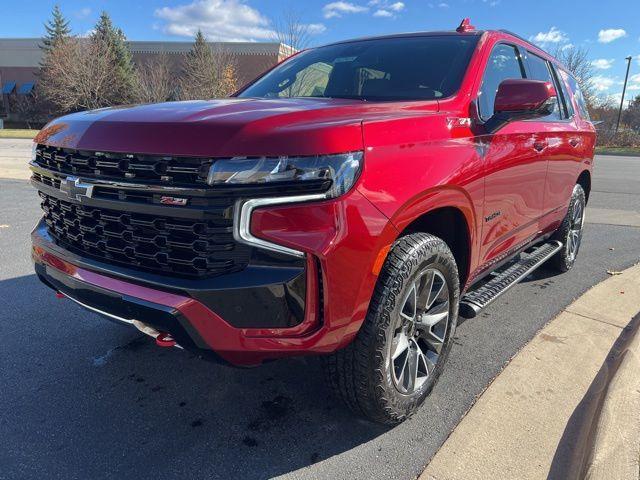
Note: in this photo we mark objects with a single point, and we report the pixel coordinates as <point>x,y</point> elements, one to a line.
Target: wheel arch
<point>450,224</point>
<point>584,180</point>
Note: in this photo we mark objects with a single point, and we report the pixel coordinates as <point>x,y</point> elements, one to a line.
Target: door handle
<point>539,146</point>
<point>574,142</point>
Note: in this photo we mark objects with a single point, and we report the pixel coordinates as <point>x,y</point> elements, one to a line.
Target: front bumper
<point>313,305</point>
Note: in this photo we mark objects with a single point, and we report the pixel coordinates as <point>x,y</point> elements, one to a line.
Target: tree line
<point>97,70</point>
<point>603,110</point>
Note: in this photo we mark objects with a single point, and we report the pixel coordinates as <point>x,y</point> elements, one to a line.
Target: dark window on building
<point>26,88</point>
<point>8,87</point>
<point>539,69</point>
<point>504,63</point>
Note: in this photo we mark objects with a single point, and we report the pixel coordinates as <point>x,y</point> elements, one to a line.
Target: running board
<point>477,299</point>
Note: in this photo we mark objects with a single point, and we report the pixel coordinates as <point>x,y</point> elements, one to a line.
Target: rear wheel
<point>386,373</point>
<point>570,232</point>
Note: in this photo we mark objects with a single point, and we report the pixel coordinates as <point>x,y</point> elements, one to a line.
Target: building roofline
<point>178,46</point>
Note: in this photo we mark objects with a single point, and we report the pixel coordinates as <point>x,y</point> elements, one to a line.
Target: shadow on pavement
<point>91,399</point>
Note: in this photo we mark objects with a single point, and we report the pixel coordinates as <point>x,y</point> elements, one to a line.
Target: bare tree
<point>292,32</point>
<point>632,114</point>
<point>294,35</point>
<point>79,75</point>
<point>29,109</point>
<point>576,59</point>
<point>155,80</point>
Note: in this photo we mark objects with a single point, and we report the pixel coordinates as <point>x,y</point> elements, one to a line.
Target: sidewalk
<point>14,158</point>
<point>540,417</point>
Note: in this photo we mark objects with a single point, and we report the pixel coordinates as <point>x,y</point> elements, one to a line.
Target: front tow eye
<point>165,339</point>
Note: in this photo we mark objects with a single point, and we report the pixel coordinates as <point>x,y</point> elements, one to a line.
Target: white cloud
<point>316,28</point>
<point>338,9</point>
<point>602,83</point>
<point>602,63</point>
<point>443,5</point>
<point>611,34</point>
<point>230,20</point>
<point>83,12</point>
<point>386,9</point>
<point>554,35</point>
<point>634,82</point>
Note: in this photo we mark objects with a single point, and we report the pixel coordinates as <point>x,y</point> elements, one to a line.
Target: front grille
<point>176,246</point>
<point>130,167</point>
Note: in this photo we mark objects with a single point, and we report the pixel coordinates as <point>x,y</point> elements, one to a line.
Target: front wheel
<point>386,373</point>
<point>570,232</point>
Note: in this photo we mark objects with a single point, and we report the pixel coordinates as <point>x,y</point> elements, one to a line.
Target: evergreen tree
<point>57,28</point>
<point>198,71</point>
<point>111,40</point>
<point>207,74</point>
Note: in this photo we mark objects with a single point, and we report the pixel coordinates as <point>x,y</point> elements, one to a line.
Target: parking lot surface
<point>85,398</point>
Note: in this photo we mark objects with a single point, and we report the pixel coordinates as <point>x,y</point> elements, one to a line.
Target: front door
<point>514,164</point>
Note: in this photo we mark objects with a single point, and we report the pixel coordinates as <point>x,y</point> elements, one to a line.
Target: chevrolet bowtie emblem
<point>75,189</point>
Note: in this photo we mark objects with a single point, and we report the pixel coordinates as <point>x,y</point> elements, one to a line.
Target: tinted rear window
<point>411,68</point>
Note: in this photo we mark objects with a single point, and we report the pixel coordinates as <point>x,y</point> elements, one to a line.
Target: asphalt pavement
<point>82,397</point>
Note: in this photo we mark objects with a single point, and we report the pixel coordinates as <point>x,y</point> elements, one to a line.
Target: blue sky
<point>609,30</point>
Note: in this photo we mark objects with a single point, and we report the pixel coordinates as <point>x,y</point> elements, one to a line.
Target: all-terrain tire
<point>570,232</point>
<point>361,374</point>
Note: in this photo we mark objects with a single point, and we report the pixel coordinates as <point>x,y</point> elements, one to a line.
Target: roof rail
<point>509,32</point>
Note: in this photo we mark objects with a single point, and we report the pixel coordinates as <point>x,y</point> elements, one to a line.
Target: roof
<point>26,52</point>
<point>412,34</point>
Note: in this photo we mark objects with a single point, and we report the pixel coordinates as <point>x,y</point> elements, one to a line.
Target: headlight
<point>342,170</point>
<point>34,149</point>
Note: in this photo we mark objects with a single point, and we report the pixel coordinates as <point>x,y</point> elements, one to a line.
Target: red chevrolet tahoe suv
<point>350,202</point>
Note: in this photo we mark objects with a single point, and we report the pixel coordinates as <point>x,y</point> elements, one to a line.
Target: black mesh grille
<point>148,242</point>
<point>119,166</point>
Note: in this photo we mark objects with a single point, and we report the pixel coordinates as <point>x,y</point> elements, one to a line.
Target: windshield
<point>408,68</point>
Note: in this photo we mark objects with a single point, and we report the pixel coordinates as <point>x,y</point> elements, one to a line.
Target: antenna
<point>465,26</point>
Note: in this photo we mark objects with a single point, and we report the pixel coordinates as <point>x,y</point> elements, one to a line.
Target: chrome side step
<point>479,298</point>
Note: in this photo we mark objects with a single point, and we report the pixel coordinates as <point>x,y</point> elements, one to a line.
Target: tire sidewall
<point>429,253</point>
<point>564,262</point>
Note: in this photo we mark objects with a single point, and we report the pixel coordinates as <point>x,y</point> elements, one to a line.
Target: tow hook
<point>60,295</point>
<point>164,339</point>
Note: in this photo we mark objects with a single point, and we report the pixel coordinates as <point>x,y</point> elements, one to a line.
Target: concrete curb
<point>615,444</point>
<point>530,422</point>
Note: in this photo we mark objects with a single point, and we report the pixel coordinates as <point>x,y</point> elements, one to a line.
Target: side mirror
<point>522,99</point>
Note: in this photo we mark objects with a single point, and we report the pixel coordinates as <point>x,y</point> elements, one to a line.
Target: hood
<point>226,127</point>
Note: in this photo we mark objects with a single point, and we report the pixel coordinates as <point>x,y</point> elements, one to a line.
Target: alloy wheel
<point>420,331</point>
<point>574,236</point>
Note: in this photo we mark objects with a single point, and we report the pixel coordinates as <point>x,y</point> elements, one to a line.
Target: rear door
<point>558,139</point>
<point>514,169</point>
<point>577,142</point>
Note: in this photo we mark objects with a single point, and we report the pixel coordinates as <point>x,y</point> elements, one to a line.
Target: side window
<point>560,80</point>
<point>504,63</point>
<point>577,95</point>
<point>539,69</point>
